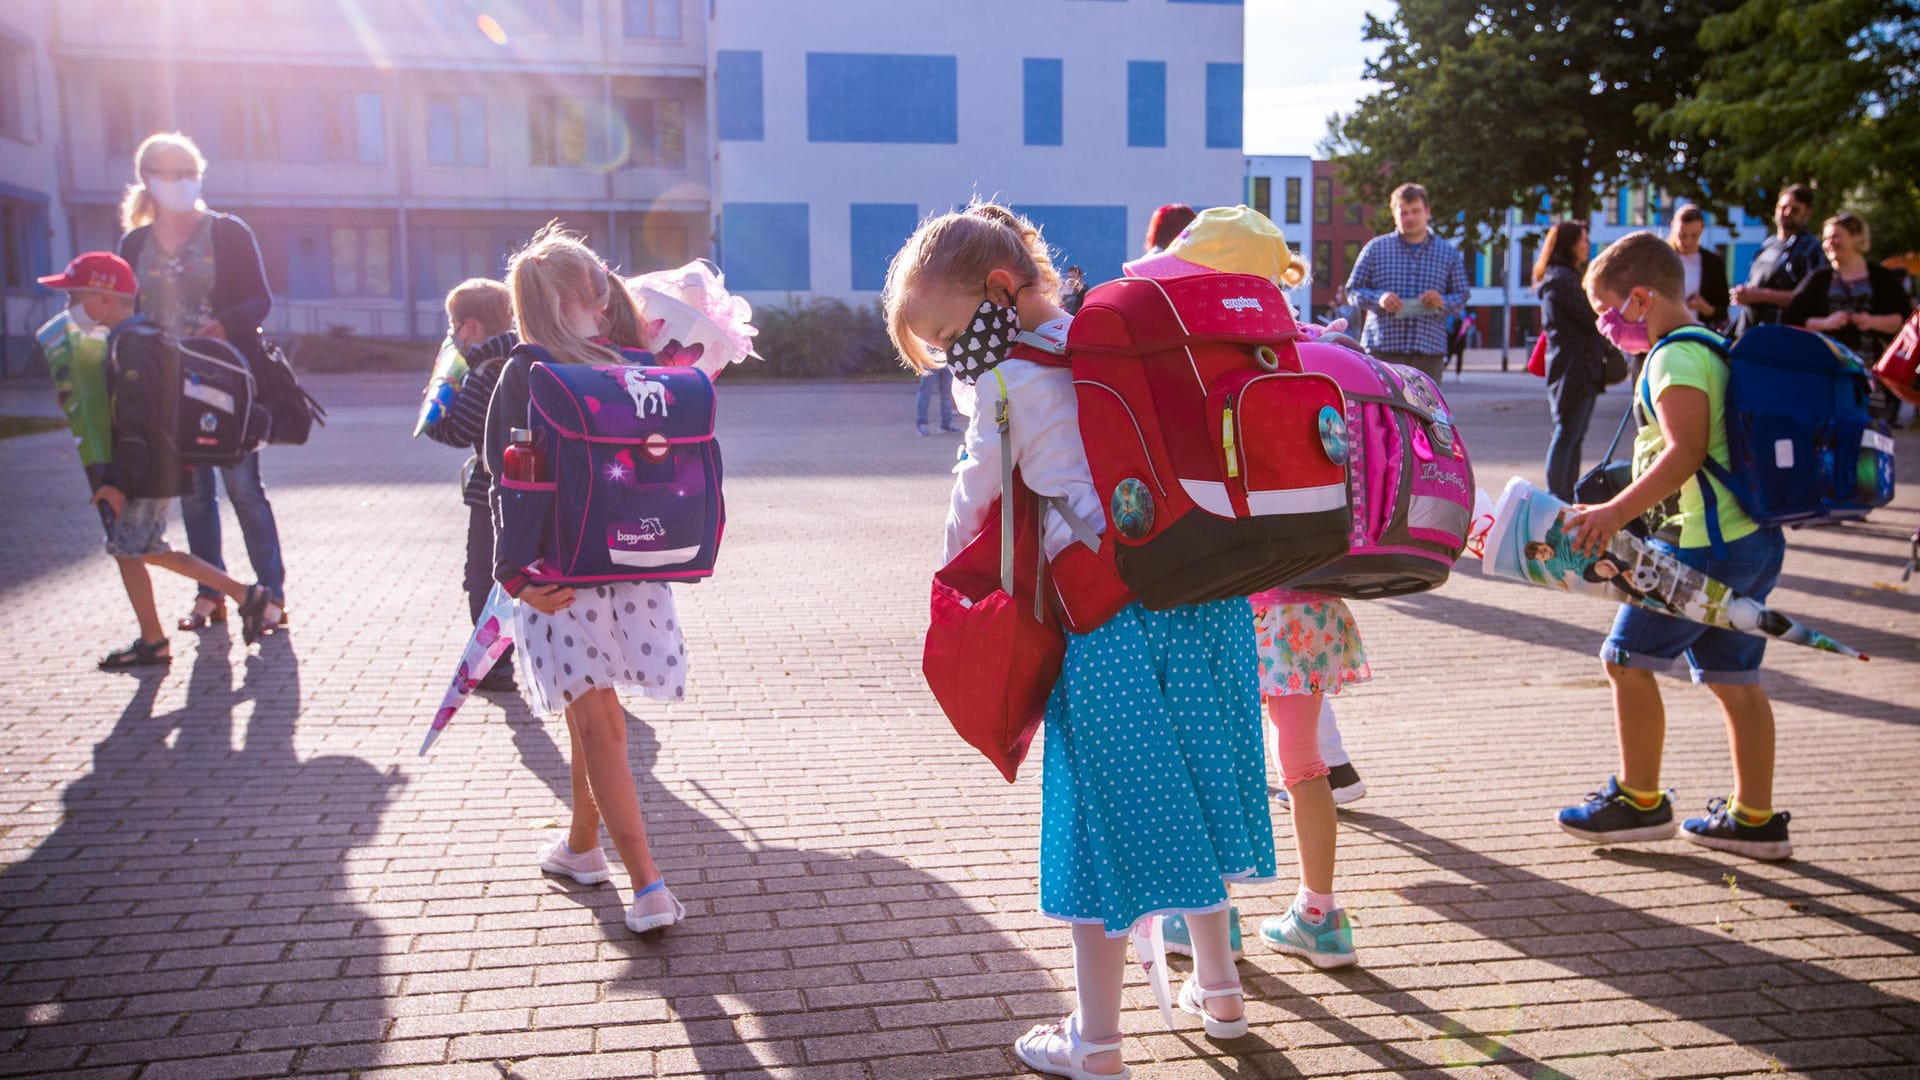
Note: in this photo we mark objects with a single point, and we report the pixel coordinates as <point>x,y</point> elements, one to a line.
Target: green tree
<point>1825,92</point>
<point>1491,105</point>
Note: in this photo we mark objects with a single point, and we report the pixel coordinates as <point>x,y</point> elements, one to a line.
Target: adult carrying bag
<point>294,411</point>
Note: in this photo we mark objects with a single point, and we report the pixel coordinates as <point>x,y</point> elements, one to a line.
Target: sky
<point>1304,61</point>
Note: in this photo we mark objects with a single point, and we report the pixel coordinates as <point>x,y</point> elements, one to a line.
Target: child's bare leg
<point>1296,724</point>
<point>1750,736</point>
<point>1099,973</point>
<point>1213,958</point>
<point>133,575</point>
<point>584,833</point>
<point>186,564</point>
<point>602,728</point>
<point>1640,719</point>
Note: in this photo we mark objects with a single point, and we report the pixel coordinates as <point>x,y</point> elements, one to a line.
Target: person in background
<point>1073,291</point>
<point>1410,280</point>
<point>1166,223</point>
<point>1859,303</point>
<point>1460,332</point>
<point>1784,261</point>
<point>1576,353</point>
<point>480,321</point>
<point>201,276</point>
<point>1707,295</point>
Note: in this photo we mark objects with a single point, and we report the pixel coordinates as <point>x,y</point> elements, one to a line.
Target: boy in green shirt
<point>1642,279</point>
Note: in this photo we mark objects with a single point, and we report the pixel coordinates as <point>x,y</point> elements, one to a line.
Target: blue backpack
<point>1800,444</point>
<point>634,474</point>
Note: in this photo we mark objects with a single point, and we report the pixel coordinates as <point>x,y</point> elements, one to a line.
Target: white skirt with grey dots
<point>623,637</point>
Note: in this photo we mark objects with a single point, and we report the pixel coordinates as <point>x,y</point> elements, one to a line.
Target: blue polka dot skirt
<point>1154,780</point>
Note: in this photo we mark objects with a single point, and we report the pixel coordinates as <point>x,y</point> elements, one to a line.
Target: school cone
<point>492,636</point>
<point>1525,539</point>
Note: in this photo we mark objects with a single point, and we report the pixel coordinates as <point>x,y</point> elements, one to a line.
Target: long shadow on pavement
<point>191,907</point>
<point>1708,978</point>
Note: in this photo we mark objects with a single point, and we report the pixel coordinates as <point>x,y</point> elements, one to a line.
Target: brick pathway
<point>242,869</point>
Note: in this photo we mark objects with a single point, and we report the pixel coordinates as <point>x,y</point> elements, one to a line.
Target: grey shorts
<point>141,529</point>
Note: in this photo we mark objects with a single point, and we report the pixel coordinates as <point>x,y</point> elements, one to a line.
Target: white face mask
<point>77,311</point>
<point>175,196</point>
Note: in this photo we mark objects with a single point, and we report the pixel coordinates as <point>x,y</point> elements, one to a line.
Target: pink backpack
<point>1411,480</point>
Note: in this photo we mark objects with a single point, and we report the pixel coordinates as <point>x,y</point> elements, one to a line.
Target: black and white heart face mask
<point>984,342</point>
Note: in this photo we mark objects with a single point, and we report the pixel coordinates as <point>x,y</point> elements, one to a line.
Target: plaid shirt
<point>1389,264</point>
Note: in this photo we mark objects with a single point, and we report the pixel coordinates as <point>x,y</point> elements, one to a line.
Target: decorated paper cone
<point>449,371</point>
<point>1150,948</point>
<point>492,636</point>
<point>1528,541</point>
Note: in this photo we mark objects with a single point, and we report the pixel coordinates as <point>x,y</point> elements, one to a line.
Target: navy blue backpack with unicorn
<point>1801,446</point>
<point>632,486</point>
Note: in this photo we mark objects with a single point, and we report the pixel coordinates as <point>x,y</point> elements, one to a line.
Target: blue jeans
<point>1651,641</point>
<point>938,381</point>
<point>1572,409</point>
<point>200,508</point>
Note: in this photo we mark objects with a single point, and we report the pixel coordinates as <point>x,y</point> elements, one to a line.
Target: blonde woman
<point>579,648</point>
<point>201,275</point>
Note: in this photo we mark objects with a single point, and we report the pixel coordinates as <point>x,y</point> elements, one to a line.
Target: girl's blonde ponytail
<point>556,268</point>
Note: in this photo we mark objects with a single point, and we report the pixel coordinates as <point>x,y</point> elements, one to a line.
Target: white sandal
<point>640,924</point>
<point>1035,1048</point>
<point>1194,998</point>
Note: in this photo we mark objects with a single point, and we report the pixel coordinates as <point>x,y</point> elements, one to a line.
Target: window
<point>1293,200</point>
<point>1262,194</point>
<point>876,231</point>
<point>1323,200</point>
<point>18,108</point>
<point>1224,106</point>
<point>658,128</point>
<point>362,261</point>
<point>740,108</point>
<point>355,127</point>
<point>248,123</point>
<point>660,244</point>
<point>456,129</point>
<point>25,251</point>
<point>129,117</point>
<point>1044,87</point>
<point>877,98</point>
<point>1323,269</point>
<point>1094,237</point>
<point>653,18</point>
<point>764,247</point>
<point>1351,254</point>
<point>1146,103</point>
<point>1356,214</point>
<point>557,134</point>
<point>560,18</point>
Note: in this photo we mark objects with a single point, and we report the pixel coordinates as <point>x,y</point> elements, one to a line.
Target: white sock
<point>1316,905</point>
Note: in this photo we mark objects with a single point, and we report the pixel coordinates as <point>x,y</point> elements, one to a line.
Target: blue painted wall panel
<point>1045,88</point>
<point>1224,106</point>
<point>741,97</point>
<point>882,98</point>
<point>877,231</point>
<point>1093,237</point>
<point>764,246</point>
<point>1146,103</point>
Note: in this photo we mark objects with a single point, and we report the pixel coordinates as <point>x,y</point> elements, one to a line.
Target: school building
<point>382,152</point>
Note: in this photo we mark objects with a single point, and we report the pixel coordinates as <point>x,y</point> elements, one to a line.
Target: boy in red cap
<point>144,474</point>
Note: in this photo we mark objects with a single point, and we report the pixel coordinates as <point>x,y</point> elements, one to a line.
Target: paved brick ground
<point>241,868</point>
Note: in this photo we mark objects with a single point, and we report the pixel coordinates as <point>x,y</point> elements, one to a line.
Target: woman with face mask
<point>201,275</point>
<point>1576,353</point>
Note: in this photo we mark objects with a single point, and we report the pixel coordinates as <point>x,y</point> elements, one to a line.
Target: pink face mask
<point>1628,337</point>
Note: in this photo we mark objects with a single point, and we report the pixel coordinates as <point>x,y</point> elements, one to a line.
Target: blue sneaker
<point>1180,940</point>
<point>1609,817</point>
<point>1324,944</point>
<point>1720,831</point>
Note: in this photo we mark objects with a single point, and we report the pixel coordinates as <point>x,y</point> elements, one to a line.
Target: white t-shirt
<point>1691,263</point>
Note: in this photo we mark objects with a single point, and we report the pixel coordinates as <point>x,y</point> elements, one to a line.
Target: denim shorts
<point>141,529</point>
<point>1650,641</point>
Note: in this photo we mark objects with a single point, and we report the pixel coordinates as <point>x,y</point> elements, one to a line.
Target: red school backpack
<point>1221,464</point>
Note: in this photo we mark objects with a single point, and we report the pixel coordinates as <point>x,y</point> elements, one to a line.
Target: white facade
<point>872,114</point>
<point>33,222</point>
<point>1281,187</point>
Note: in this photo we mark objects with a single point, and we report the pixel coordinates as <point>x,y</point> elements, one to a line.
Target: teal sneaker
<point>1180,940</point>
<point>1327,944</point>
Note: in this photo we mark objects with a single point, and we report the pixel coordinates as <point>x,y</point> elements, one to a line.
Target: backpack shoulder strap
<point>1710,470</point>
<point>1037,349</point>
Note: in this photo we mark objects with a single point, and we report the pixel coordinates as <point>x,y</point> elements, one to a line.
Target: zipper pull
<point>1226,439</point>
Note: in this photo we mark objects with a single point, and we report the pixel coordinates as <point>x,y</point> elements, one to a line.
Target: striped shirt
<point>1388,264</point>
<point>465,424</point>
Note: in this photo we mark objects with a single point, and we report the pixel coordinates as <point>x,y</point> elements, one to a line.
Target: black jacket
<point>142,372</point>
<point>1713,288</point>
<point>1576,353</point>
<point>1810,301</point>
<point>241,298</point>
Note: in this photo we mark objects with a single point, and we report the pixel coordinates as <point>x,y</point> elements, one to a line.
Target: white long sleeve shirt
<point>1044,425</point>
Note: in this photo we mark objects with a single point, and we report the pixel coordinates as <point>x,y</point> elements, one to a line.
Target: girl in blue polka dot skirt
<point>1153,781</point>
<point>579,648</point>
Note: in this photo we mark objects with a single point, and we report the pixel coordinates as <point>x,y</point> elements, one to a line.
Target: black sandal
<point>137,655</point>
<point>253,611</point>
<point>200,620</point>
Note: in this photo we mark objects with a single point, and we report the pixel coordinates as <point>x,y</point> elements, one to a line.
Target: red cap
<point>101,271</point>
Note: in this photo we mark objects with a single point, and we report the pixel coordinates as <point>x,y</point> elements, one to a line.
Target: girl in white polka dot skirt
<point>1153,781</point>
<point>580,647</point>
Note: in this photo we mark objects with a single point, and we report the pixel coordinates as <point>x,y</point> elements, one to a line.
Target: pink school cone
<point>492,636</point>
